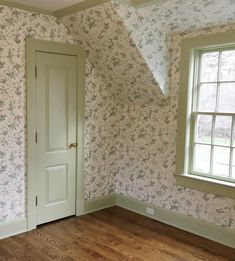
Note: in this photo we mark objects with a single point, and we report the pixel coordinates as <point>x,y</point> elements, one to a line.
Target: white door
<point>56,83</point>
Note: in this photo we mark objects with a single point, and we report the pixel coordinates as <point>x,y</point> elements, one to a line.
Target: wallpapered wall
<point>147,140</point>
<point>151,25</point>
<point>15,26</point>
<point>101,110</point>
<point>144,144</point>
<point>147,149</point>
<point>114,54</point>
<point>130,127</point>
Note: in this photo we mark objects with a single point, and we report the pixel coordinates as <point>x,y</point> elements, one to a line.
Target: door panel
<point>57,175</point>
<point>57,108</point>
<point>56,129</point>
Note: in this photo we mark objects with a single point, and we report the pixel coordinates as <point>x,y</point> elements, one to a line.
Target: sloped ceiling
<point>150,27</point>
<point>130,46</point>
<point>111,50</point>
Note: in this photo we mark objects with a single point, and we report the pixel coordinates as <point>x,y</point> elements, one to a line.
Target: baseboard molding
<point>189,224</point>
<point>12,228</point>
<point>186,223</point>
<point>99,203</point>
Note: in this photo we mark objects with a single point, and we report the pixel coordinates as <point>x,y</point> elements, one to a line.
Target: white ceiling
<point>49,5</point>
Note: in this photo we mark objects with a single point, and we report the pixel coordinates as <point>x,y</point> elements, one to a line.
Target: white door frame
<point>32,46</point>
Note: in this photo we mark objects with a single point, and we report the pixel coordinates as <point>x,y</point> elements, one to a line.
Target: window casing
<point>203,132</point>
<point>212,147</point>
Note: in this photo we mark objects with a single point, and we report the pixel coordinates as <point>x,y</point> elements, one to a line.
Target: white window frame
<point>190,50</point>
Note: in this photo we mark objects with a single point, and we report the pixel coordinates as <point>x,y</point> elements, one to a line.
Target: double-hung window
<point>206,116</point>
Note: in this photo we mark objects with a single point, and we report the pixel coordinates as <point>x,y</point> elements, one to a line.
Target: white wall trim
<point>12,228</point>
<point>195,226</point>
<point>198,227</point>
<point>100,203</point>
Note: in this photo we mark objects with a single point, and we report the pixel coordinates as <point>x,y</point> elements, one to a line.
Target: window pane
<point>209,67</point>
<point>227,70</point>
<point>223,126</point>
<point>202,158</point>
<point>207,97</point>
<point>233,166</point>
<point>204,129</point>
<point>233,136</point>
<point>227,97</point>
<point>221,161</point>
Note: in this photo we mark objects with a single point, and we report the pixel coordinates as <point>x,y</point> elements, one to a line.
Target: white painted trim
<point>99,203</point>
<point>26,8</point>
<point>195,226</point>
<point>33,45</point>
<point>12,228</point>
<point>58,13</point>
<point>186,223</point>
<point>79,7</point>
<point>144,3</point>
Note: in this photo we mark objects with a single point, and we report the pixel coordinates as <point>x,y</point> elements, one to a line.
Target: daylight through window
<point>213,136</point>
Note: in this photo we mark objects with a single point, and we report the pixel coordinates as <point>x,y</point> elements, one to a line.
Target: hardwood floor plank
<point>145,241</point>
<point>172,233</point>
<point>113,234</point>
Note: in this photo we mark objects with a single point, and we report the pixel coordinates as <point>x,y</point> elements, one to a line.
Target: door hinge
<point>36,71</point>
<point>36,201</point>
<point>36,137</point>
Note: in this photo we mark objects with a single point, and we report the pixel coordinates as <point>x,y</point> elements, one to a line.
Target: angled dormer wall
<point>150,26</point>
<point>113,53</point>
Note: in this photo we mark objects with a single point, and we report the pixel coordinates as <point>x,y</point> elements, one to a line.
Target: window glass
<point>207,97</point>
<point>202,158</point>
<point>204,129</point>
<point>213,144</point>
<point>209,67</point>
<point>227,68</point>
<point>223,126</point>
<point>221,161</point>
<point>227,97</point>
<point>233,165</point>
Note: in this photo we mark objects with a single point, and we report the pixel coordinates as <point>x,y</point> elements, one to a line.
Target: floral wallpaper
<point>113,53</point>
<point>144,130</point>
<point>101,119</point>
<point>150,27</point>
<point>116,69</point>
<point>147,145</point>
<point>15,26</point>
<point>130,126</point>
<point>101,110</point>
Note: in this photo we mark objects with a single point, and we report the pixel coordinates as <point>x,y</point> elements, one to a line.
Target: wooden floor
<point>112,234</point>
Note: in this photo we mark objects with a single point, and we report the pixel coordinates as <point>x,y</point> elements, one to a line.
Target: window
<point>213,112</point>
<point>206,124</point>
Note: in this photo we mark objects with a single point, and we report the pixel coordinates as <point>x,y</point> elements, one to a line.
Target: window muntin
<point>212,141</point>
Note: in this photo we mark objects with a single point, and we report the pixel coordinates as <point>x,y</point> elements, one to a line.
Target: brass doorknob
<point>73,145</point>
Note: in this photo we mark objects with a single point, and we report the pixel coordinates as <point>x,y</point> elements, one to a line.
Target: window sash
<point>195,113</point>
<point>212,145</point>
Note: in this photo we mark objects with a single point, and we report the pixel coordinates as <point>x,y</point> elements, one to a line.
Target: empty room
<point>117,130</point>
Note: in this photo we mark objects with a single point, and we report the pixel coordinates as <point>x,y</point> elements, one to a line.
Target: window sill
<point>212,186</point>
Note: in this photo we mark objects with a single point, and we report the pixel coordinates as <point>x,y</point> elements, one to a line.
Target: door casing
<point>32,46</point>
